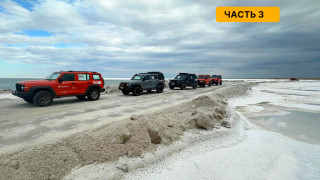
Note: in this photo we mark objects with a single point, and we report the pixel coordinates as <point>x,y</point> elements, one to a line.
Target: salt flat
<point>264,153</point>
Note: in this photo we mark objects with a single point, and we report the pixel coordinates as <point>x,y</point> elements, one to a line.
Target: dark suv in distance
<point>143,81</point>
<point>183,80</point>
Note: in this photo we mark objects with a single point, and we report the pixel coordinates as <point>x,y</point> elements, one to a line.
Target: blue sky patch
<point>35,33</point>
<point>27,4</point>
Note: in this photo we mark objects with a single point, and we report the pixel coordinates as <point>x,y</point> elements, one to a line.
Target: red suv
<point>216,79</point>
<point>61,84</point>
<point>204,80</point>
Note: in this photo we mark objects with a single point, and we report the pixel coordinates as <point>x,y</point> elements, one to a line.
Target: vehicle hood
<point>36,82</point>
<point>131,81</point>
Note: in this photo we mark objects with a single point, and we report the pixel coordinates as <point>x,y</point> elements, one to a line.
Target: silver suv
<point>143,81</point>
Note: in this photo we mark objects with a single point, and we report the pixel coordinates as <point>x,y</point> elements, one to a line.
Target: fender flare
<point>92,86</point>
<point>134,85</point>
<point>160,83</point>
<point>33,90</point>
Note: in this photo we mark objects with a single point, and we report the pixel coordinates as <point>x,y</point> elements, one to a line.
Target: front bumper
<point>102,90</point>
<point>124,88</point>
<point>24,95</point>
<point>175,84</point>
<point>201,82</point>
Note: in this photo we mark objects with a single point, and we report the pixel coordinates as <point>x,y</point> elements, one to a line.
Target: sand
<point>128,137</point>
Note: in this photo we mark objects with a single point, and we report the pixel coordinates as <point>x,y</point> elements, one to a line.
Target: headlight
<point>22,88</point>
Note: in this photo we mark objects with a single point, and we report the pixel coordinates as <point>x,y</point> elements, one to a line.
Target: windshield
<point>181,77</point>
<point>201,77</point>
<point>137,77</point>
<point>53,76</point>
<point>214,76</point>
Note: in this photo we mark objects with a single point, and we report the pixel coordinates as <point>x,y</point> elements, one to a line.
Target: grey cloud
<point>122,38</point>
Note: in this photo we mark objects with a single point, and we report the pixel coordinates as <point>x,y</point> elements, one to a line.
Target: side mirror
<point>60,80</point>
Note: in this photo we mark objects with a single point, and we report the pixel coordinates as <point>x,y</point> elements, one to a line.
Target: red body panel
<point>206,79</point>
<point>214,80</point>
<point>66,88</point>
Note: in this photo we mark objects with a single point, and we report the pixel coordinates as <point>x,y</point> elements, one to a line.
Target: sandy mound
<point>107,143</point>
<point>112,89</point>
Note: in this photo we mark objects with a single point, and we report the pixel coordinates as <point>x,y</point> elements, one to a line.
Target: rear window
<point>96,77</point>
<point>83,77</point>
<point>153,77</point>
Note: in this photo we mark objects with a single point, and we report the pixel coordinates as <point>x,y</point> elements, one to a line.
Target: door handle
<point>89,82</point>
<point>73,83</point>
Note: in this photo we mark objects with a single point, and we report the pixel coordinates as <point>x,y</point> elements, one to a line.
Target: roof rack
<point>83,71</point>
<point>154,72</point>
<point>183,73</point>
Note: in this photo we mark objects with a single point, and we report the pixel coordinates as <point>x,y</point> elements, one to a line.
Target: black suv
<point>182,80</point>
<point>143,81</point>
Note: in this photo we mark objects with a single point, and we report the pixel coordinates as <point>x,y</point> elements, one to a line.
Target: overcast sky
<point>121,38</point>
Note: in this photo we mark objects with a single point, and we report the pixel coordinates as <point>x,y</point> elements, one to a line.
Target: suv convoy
<point>61,84</point>
<point>182,80</point>
<point>143,81</point>
<point>216,79</point>
<point>204,80</point>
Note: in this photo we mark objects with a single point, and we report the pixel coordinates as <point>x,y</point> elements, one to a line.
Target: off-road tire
<point>93,94</point>
<point>149,91</point>
<point>160,88</point>
<point>81,97</point>
<point>137,91</point>
<point>221,83</point>
<point>183,86</point>
<point>28,100</point>
<point>171,87</point>
<point>217,83</point>
<point>125,92</point>
<point>210,84</point>
<point>42,98</point>
<point>194,86</point>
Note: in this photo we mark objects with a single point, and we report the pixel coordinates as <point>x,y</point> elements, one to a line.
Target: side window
<point>147,77</point>
<point>96,77</point>
<point>189,77</point>
<point>153,77</point>
<point>194,76</point>
<point>68,77</point>
<point>83,77</point>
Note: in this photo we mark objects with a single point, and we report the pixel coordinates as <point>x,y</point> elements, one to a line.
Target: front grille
<point>19,87</point>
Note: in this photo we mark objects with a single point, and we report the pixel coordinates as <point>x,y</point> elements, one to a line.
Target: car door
<point>68,85</point>
<point>146,83</point>
<point>82,83</point>
<point>154,81</point>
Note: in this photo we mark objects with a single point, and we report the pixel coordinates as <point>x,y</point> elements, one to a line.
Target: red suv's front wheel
<point>43,98</point>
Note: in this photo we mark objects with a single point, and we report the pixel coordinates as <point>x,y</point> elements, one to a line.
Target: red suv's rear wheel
<point>94,94</point>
